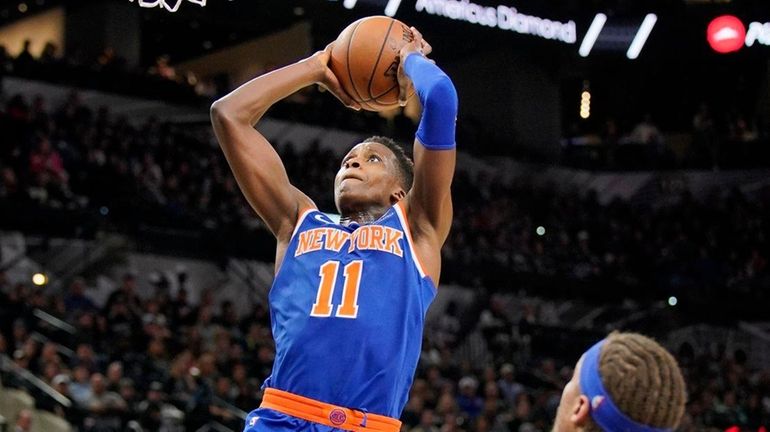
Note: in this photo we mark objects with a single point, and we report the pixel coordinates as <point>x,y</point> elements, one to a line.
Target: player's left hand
<point>417,45</point>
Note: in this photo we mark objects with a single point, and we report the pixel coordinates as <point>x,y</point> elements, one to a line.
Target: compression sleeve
<point>439,102</point>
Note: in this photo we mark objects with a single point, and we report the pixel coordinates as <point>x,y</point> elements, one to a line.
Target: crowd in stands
<point>162,363</point>
<point>715,139</point>
<point>109,71</point>
<point>724,139</point>
<point>88,166</point>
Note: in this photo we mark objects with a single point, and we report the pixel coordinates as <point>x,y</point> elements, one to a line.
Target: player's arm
<point>430,200</point>
<point>256,165</point>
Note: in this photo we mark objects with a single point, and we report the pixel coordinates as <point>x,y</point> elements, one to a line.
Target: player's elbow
<point>224,115</point>
<point>223,121</point>
<point>233,110</point>
<point>219,111</point>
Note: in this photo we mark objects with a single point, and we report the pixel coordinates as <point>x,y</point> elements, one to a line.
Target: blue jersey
<point>347,308</point>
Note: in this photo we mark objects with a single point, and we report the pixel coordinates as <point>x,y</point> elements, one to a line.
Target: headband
<point>603,410</point>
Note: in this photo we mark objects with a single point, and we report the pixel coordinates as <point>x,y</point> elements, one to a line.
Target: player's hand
<point>417,45</point>
<point>326,79</point>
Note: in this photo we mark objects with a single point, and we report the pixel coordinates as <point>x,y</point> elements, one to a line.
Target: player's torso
<point>347,309</point>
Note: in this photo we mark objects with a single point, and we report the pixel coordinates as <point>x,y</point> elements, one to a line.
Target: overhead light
<point>23,7</point>
<point>641,36</point>
<point>39,279</point>
<point>392,7</point>
<point>585,101</point>
<point>592,34</point>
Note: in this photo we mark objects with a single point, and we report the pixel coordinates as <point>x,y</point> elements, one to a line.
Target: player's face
<point>367,177</point>
<point>573,406</point>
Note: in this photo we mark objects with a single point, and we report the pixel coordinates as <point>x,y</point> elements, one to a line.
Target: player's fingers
<point>403,85</point>
<point>426,48</point>
<point>417,36</point>
<point>333,85</point>
<point>346,100</point>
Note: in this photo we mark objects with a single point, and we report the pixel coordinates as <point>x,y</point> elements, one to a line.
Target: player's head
<point>625,382</point>
<point>376,172</point>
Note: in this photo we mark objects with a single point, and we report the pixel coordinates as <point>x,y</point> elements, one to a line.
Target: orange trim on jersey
<point>300,219</point>
<point>401,211</point>
<point>327,414</point>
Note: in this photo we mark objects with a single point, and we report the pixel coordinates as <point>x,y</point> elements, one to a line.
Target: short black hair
<point>405,164</point>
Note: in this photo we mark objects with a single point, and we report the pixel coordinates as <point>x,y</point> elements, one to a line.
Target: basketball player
<point>625,383</point>
<point>349,299</point>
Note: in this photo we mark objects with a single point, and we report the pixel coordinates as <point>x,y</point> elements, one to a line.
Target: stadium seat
<point>12,401</point>
<point>44,421</point>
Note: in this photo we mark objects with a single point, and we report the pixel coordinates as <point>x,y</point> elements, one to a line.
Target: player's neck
<point>362,216</point>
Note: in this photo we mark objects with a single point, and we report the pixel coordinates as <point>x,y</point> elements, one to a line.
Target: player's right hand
<point>328,81</point>
<point>417,45</point>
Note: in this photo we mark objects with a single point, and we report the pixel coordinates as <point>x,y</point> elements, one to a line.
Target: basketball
<point>365,60</point>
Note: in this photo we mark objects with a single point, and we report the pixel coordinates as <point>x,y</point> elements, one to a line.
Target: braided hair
<point>643,379</point>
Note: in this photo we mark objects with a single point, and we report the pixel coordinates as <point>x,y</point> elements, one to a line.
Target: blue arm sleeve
<point>439,103</point>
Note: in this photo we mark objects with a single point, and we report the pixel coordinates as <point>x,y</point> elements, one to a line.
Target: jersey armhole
<point>302,215</point>
<point>301,218</point>
<point>401,212</point>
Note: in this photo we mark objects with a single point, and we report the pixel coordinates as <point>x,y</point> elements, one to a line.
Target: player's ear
<point>580,412</point>
<point>397,196</point>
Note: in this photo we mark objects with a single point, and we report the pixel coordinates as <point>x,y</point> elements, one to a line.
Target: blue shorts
<point>267,420</point>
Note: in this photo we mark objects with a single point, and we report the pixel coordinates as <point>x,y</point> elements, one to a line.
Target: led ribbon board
<point>502,17</point>
<point>169,5</point>
<point>632,37</point>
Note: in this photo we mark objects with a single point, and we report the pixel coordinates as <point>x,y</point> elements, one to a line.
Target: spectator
<point>77,302</point>
<point>125,295</point>
<point>646,132</point>
<point>507,383</point>
<point>162,68</point>
<point>114,376</point>
<point>80,387</point>
<point>427,422</point>
<point>467,401</point>
<point>46,160</point>
<point>49,55</point>
<point>105,407</point>
<point>23,421</point>
<point>86,357</point>
<point>6,62</point>
<point>24,61</point>
<point>150,409</point>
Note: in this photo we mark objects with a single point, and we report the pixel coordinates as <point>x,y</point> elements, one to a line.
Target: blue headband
<point>603,410</point>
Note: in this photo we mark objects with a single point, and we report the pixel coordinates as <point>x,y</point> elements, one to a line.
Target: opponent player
<point>349,299</point>
<point>625,383</point>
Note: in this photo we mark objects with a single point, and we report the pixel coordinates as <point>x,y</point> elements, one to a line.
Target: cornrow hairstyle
<point>405,164</point>
<point>643,380</point>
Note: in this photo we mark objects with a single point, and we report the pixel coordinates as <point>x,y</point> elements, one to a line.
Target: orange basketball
<point>365,60</point>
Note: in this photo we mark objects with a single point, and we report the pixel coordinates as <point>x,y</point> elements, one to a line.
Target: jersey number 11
<point>323,303</point>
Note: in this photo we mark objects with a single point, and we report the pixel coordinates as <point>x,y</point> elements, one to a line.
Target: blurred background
<point>614,173</point>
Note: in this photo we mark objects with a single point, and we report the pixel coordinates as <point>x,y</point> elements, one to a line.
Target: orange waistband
<point>327,414</point>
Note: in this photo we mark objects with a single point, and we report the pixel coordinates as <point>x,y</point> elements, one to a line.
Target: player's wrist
<point>314,68</point>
